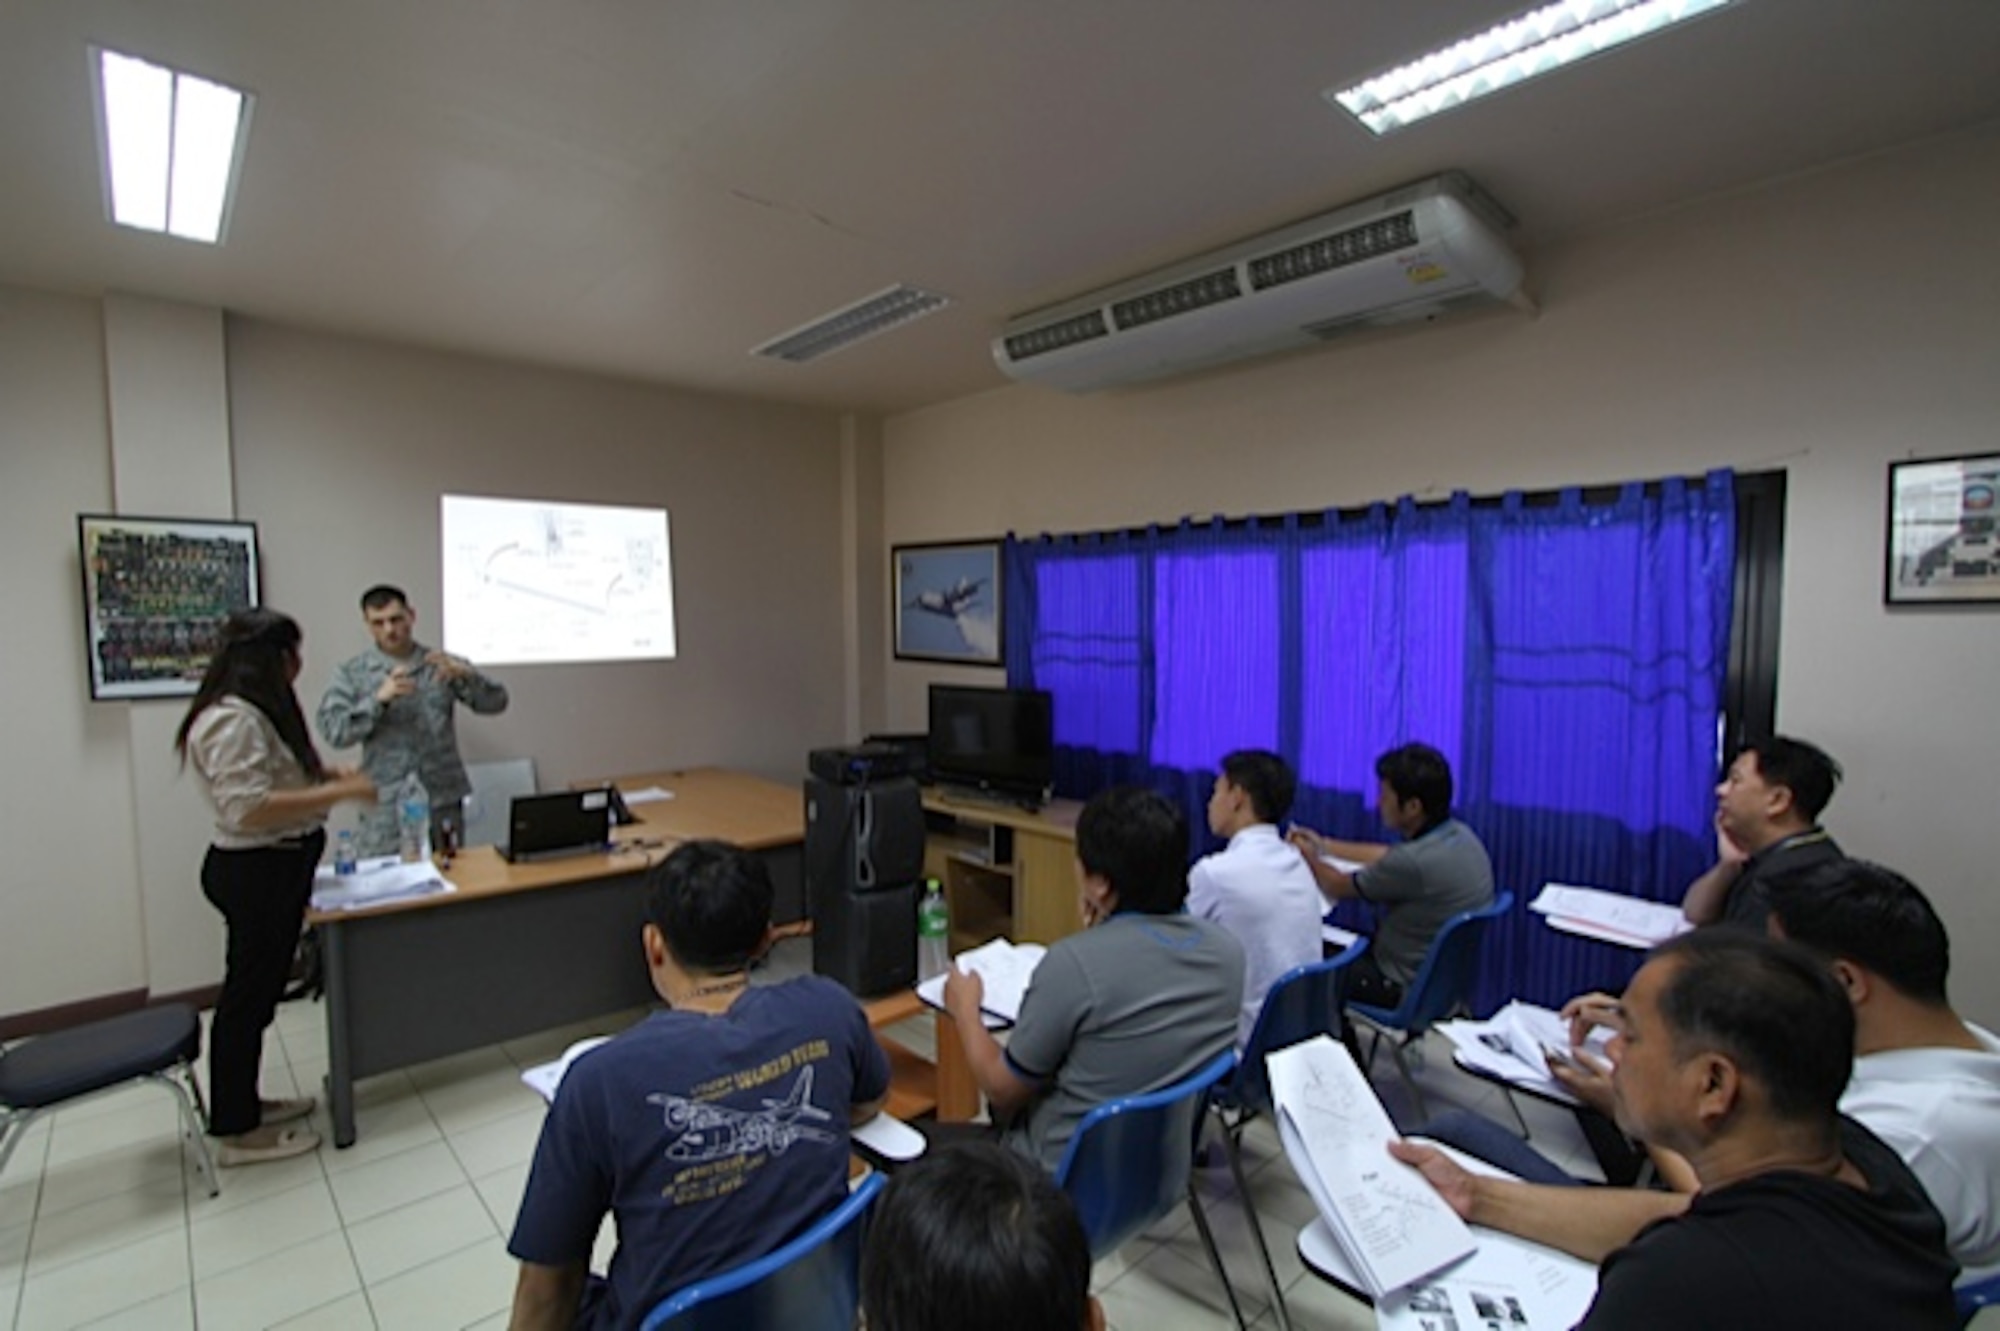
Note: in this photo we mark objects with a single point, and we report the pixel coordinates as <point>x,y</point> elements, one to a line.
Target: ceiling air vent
<point>853,323</point>
<point>1193,294</point>
<point>1355,245</point>
<point>1056,336</point>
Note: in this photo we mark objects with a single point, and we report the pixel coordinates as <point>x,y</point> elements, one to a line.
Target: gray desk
<point>518,949</point>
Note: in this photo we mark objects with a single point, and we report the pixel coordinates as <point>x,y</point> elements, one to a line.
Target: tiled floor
<point>103,1225</point>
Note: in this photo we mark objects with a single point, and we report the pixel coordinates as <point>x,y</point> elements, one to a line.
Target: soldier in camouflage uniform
<point>397,701</point>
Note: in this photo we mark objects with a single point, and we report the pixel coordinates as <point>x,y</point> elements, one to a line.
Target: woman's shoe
<point>285,1111</point>
<point>264,1144</point>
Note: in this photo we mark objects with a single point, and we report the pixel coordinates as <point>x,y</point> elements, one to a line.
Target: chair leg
<point>197,1129</point>
<point>12,1128</point>
<point>1514,1105</point>
<point>1410,1081</point>
<point>1214,1253</point>
<point>1233,1143</point>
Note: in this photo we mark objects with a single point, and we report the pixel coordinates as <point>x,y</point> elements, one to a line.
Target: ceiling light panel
<point>171,145</point>
<point>1535,43</point>
<point>853,323</point>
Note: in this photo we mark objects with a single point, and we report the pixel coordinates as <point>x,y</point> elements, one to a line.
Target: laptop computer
<point>567,822</point>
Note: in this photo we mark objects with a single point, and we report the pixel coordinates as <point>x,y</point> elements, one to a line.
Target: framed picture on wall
<point>155,591</point>
<point>1943,546</point>
<point>948,602</point>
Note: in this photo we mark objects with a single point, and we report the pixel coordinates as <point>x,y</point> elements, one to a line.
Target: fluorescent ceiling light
<point>1537,42</point>
<point>171,144</point>
<point>889,308</point>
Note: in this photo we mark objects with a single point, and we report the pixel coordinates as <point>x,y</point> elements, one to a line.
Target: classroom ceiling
<point>650,188</point>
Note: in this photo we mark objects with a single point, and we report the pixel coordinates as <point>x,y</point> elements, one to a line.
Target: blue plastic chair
<point>1979,1294</point>
<point>1132,1161</point>
<point>1441,988</point>
<point>812,1283</point>
<point>1303,1002</point>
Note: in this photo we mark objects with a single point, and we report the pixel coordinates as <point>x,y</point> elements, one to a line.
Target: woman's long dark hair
<point>251,663</point>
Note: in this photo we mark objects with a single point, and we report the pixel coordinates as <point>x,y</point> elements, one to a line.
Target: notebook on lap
<point>567,822</point>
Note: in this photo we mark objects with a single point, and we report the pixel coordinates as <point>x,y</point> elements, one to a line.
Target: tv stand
<point>973,795</point>
<point>1008,872</point>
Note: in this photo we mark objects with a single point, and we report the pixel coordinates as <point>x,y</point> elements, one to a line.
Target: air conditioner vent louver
<point>1056,336</point>
<point>1193,294</point>
<point>1356,245</point>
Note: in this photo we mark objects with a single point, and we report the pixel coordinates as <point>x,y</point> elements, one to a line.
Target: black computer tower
<point>864,865</point>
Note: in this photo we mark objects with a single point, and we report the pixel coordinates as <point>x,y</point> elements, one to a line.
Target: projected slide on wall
<point>531,582</point>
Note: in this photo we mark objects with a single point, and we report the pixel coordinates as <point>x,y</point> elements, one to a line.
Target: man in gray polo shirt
<point>1438,870</point>
<point>1143,997</point>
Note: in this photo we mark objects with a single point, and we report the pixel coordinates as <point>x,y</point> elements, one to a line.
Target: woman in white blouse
<point>247,739</point>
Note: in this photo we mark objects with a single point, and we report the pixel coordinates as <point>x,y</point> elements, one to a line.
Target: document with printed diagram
<point>1004,967</point>
<point>1384,1215</point>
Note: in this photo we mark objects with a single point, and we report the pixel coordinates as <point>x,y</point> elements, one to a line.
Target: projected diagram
<point>534,582</point>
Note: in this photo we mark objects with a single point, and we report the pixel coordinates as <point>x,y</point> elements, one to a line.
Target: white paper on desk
<point>1643,922</point>
<point>544,1078</point>
<point>1386,1217</point>
<point>1004,967</point>
<point>1509,1045</point>
<point>374,882</point>
<point>1508,1285</point>
<point>647,795</point>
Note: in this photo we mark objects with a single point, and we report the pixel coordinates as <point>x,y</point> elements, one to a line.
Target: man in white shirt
<point>1257,887</point>
<point>1925,1081</point>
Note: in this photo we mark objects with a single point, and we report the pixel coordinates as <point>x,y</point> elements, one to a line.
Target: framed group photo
<point>155,592</point>
<point>948,601</point>
<point>1942,544</point>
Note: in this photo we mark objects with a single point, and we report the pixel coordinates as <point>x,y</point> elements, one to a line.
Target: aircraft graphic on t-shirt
<point>716,1132</point>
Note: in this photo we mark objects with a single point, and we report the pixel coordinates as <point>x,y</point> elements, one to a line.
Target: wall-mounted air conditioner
<point>1407,255</point>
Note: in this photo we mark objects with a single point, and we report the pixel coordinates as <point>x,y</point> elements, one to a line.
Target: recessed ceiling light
<point>1535,43</point>
<point>849,324</point>
<point>170,143</point>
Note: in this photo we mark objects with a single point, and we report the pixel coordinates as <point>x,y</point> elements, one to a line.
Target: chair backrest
<point>1979,1294</point>
<point>1303,1002</point>
<point>812,1283</point>
<point>1128,1163</point>
<point>1445,979</point>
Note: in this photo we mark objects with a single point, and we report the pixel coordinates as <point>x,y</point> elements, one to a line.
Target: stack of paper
<point>1005,968</point>
<point>1509,1045</point>
<point>1384,1215</point>
<point>374,882</point>
<point>1611,916</point>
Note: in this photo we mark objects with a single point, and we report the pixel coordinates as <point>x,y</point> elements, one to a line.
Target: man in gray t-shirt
<point>1439,870</point>
<point>1142,998</point>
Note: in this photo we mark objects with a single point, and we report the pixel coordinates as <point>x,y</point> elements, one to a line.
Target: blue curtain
<point>1568,659</point>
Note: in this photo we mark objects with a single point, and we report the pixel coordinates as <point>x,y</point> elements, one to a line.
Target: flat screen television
<point>998,742</point>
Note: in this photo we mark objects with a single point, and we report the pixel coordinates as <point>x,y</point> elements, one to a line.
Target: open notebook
<point>1004,967</point>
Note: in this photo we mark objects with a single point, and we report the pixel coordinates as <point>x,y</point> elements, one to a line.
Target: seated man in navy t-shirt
<point>714,1131</point>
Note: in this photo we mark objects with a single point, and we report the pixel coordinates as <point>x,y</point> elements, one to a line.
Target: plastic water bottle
<point>413,820</point>
<point>933,932</point>
<point>343,853</point>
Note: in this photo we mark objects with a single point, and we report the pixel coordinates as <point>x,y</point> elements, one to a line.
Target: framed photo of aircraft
<point>1944,531</point>
<point>948,602</point>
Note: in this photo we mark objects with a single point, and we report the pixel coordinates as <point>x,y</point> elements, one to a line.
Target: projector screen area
<point>531,582</point>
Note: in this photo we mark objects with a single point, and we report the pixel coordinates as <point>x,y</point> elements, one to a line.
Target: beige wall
<point>339,450</point>
<point>1825,325</point>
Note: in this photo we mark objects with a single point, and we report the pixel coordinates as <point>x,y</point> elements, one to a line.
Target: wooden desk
<point>918,1086</point>
<point>520,948</point>
<point>1006,871</point>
